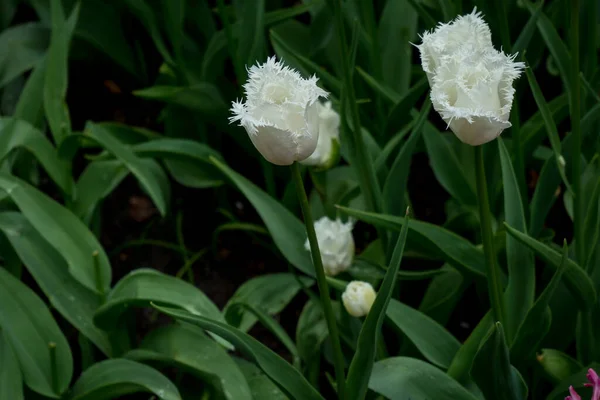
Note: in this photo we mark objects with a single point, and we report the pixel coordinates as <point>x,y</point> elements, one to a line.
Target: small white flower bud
<point>471,82</point>
<point>561,161</point>
<point>327,149</point>
<point>336,244</point>
<point>280,113</point>
<point>358,298</point>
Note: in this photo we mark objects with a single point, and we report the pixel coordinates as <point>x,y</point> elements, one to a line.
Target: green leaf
<point>527,32</point>
<point>399,116</point>
<point>20,134</point>
<point>357,380</point>
<point>273,326</point>
<point>544,197</point>
<point>21,48</point>
<point>557,48</point>
<point>260,386</point>
<point>286,229</point>
<point>96,182</point>
<point>385,91</point>
<point>578,282</point>
<point>56,79</point>
<point>533,131</point>
<point>537,322</point>
<point>114,378</point>
<point>311,330</point>
<point>73,301</point>
<point>592,224</point>
<point>186,160</point>
<point>250,31</point>
<point>143,11</point>
<point>11,379</point>
<point>306,66</point>
<point>148,172</point>
<point>497,379</point>
<point>398,21</point>
<point>558,365</point>
<point>203,97</point>
<point>282,373</point>
<point>173,16</point>
<point>447,167</point>
<point>188,348</point>
<point>30,330</point>
<point>520,290</point>
<point>30,107</point>
<point>394,189</point>
<point>433,341</point>
<point>270,293</point>
<point>86,258</point>
<point>549,122</point>
<point>142,286</point>
<point>281,15</point>
<point>437,241</point>
<point>99,24</point>
<point>403,378</point>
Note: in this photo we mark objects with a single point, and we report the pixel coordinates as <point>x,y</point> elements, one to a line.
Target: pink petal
<point>574,395</point>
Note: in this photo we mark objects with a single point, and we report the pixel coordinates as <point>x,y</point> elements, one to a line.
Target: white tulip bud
<point>327,151</point>
<point>358,298</point>
<point>471,82</point>
<point>336,244</point>
<point>281,113</point>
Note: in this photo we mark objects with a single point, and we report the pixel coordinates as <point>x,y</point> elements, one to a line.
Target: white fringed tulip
<point>327,149</point>
<point>471,82</point>
<point>281,112</point>
<point>358,298</point>
<point>336,244</point>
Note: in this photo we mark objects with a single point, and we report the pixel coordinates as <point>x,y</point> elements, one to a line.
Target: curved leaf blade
<point>453,248</point>
<point>433,340</point>
<point>357,381</point>
<point>20,134</point>
<point>270,293</point>
<point>148,172</point>
<point>520,290</point>
<point>86,258</point>
<point>30,330</point>
<point>111,379</point>
<point>11,379</point>
<point>404,378</point>
<point>286,229</point>
<point>73,301</point>
<point>188,348</point>
<point>578,282</point>
<point>282,373</point>
<point>142,286</point>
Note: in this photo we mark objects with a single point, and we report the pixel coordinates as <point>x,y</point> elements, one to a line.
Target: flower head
<point>594,382</point>
<point>336,244</point>
<point>327,151</point>
<point>280,113</point>
<point>471,82</point>
<point>358,298</point>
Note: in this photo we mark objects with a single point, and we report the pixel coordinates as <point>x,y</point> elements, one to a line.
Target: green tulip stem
<point>492,268</point>
<point>338,357</point>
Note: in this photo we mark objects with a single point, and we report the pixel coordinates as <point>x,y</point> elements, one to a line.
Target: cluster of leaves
<point>179,53</point>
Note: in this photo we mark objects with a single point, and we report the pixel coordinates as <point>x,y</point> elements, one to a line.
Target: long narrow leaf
<point>550,126</point>
<point>521,269</point>
<point>579,283</point>
<point>362,363</point>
